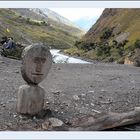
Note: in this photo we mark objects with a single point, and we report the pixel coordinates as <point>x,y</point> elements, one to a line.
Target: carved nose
<point>38,67</point>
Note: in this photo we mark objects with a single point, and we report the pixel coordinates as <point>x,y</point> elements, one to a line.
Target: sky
<point>82,17</point>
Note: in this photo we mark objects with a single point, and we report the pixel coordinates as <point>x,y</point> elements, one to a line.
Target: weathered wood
<point>36,63</point>
<point>102,121</point>
<point>30,99</point>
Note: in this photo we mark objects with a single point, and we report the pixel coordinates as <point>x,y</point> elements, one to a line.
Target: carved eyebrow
<point>38,59</point>
<point>43,60</point>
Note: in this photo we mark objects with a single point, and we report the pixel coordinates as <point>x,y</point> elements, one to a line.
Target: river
<point>61,58</point>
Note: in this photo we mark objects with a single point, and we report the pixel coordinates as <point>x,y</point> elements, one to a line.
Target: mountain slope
<point>115,35</point>
<point>120,21</point>
<point>27,26</point>
<point>54,16</point>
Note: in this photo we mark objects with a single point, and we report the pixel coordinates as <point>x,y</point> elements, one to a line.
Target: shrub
<point>85,45</point>
<point>114,43</point>
<point>44,23</point>
<point>131,49</point>
<point>137,44</point>
<point>115,53</point>
<point>28,20</point>
<point>121,61</point>
<point>137,63</point>
<point>106,34</point>
<point>35,22</point>
<point>20,16</point>
<point>103,49</point>
<point>99,51</point>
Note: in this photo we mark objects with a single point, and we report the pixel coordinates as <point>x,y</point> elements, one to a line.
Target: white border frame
<point>70,135</point>
<point>69,4</point>
<point>60,135</point>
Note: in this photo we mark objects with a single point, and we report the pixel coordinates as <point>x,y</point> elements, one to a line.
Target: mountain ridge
<point>49,16</point>
<point>29,27</point>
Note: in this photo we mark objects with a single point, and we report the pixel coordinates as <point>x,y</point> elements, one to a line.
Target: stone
<point>4,105</point>
<point>30,99</point>
<point>36,63</point>
<point>1,61</point>
<point>14,116</point>
<point>16,71</point>
<point>92,104</point>
<point>76,97</point>
<point>92,91</point>
<point>34,118</point>
<point>46,125</point>
<point>52,123</point>
<point>55,122</point>
<point>56,92</point>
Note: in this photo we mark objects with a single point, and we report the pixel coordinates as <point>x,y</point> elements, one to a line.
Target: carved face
<point>37,62</point>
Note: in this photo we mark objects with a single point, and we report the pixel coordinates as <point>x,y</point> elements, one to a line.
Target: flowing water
<point>61,58</point>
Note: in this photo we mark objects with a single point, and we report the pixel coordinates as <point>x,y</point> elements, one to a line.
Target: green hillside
<point>119,21</point>
<point>114,36</point>
<point>33,29</point>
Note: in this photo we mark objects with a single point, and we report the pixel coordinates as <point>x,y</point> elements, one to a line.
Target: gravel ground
<point>72,90</point>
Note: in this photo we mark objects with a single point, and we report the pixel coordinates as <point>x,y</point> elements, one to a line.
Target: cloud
<point>78,13</point>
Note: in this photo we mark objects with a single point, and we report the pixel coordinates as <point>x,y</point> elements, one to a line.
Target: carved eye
<point>43,60</point>
<point>36,60</point>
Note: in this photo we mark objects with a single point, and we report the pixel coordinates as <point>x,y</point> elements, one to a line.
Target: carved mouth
<point>37,74</point>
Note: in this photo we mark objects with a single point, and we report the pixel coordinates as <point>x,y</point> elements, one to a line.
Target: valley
<point>87,77</point>
<point>113,38</point>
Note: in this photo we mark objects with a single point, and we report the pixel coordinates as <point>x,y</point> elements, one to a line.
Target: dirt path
<point>71,90</point>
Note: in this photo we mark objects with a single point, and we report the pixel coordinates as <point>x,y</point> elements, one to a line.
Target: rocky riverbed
<point>72,90</point>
